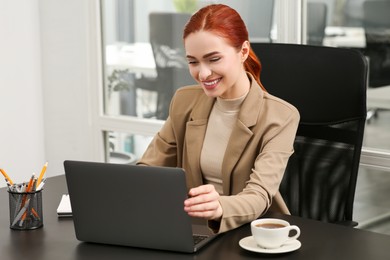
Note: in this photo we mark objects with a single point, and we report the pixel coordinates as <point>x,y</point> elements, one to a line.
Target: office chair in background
<point>165,36</point>
<point>316,22</point>
<point>328,87</point>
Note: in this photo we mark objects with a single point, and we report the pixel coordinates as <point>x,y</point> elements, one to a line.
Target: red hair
<point>226,23</point>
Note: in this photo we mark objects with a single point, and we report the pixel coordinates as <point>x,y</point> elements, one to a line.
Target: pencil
<point>6,176</point>
<point>30,183</point>
<point>35,213</point>
<point>42,173</point>
<point>28,189</point>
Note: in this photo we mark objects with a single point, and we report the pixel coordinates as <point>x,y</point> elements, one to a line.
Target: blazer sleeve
<point>264,179</point>
<point>162,149</point>
<point>166,147</point>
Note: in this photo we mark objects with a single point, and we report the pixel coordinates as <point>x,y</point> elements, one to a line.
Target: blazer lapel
<point>196,131</point>
<point>241,133</point>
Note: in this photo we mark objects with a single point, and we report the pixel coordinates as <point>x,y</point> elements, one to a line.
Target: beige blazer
<point>255,159</point>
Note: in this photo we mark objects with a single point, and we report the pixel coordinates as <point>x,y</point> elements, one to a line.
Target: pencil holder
<point>25,210</point>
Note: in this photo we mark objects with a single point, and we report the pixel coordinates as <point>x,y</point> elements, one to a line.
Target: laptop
<point>130,205</point>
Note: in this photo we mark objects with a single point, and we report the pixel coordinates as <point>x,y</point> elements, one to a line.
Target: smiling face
<point>216,65</point>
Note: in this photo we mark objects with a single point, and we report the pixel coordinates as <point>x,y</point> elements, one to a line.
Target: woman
<point>232,138</point>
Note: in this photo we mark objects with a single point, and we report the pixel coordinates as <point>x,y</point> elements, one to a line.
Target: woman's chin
<point>211,92</point>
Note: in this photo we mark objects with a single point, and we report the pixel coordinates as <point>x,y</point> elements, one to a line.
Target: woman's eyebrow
<point>204,56</point>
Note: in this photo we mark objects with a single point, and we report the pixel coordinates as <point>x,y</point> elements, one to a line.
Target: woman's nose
<point>204,72</point>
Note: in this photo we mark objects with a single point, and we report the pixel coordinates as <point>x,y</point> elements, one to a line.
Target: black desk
<point>56,240</point>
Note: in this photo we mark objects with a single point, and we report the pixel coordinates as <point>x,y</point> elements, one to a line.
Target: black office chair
<point>328,87</point>
<point>165,36</point>
<point>316,22</point>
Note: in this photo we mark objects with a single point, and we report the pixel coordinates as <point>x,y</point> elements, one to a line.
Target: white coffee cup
<point>272,232</point>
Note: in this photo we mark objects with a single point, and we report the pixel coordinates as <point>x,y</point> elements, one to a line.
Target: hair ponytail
<point>253,66</point>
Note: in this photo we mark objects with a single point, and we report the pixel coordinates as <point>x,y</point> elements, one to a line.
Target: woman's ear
<point>245,50</point>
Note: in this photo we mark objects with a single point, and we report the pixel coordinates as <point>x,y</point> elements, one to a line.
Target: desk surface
<point>56,240</point>
<point>137,58</point>
<point>350,37</point>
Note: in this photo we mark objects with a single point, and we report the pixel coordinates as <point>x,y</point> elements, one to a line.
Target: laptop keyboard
<point>198,238</point>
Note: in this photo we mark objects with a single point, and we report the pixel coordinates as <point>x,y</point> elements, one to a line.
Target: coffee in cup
<point>273,233</point>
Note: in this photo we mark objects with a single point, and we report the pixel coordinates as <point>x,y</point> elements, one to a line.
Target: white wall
<point>65,59</point>
<point>21,117</point>
<point>44,106</point>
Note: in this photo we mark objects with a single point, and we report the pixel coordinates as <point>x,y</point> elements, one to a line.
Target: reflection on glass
<point>316,22</point>
<point>125,148</point>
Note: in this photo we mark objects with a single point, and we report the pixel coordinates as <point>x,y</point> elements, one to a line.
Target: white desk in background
<point>349,37</point>
<point>378,97</point>
<point>137,58</point>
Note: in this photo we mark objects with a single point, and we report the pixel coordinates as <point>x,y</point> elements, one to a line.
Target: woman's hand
<point>203,203</point>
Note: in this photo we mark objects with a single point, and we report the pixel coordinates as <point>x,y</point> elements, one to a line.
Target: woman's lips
<point>211,84</point>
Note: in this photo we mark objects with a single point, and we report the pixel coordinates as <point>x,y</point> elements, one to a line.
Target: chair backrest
<point>316,22</point>
<point>166,39</point>
<point>328,87</point>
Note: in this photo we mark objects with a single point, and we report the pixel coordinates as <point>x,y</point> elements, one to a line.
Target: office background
<point>50,109</point>
<point>48,66</point>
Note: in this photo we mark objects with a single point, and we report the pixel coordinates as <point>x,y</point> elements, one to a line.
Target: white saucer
<point>249,243</point>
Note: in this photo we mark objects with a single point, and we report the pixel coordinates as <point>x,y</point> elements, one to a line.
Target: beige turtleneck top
<point>221,122</point>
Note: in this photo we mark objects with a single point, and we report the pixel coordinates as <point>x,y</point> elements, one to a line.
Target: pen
<point>10,187</point>
<point>21,212</point>
<point>40,186</point>
<point>27,212</point>
<point>23,187</point>
<point>30,183</point>
<point>28,189</point>
<point>16,188</point>
<point>6,176</point>
<point>34,185</point>
<point>42,173</point>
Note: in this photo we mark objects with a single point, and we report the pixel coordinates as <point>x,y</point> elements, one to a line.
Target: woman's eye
<point>215,59</point>
<point>192,62</point>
